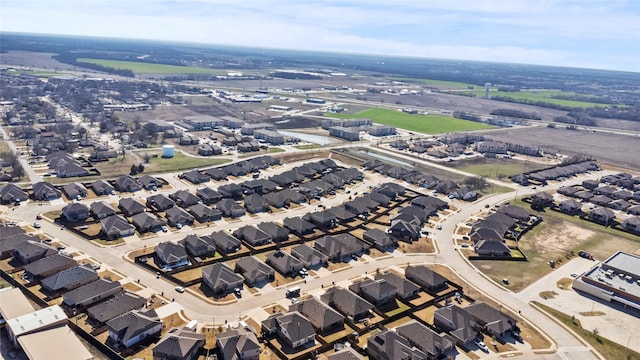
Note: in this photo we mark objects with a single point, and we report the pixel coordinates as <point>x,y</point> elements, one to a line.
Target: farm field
<point>497,168</point>
<point>147,68</point>
<point>532,95</point>
<point>442,83</point>
<point>427,124</point>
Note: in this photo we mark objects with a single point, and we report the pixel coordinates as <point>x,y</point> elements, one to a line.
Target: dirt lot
<point>607,148</point>
<point>559,238</point>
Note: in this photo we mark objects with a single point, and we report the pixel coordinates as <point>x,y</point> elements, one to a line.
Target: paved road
<point>196,308</point>
<point>28,170</point>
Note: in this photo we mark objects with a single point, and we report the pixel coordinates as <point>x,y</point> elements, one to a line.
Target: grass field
<point>543,96</point>
<point>147,68</point>
<point>427,124</point>
<point>496,168</point>
<point>606,347</point>
<point>602,243</point>
<point>181,162</point>
<point>451,84</point>
<point>35,73</point>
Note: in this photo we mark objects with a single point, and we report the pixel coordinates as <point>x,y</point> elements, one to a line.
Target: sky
<point>601,34</point>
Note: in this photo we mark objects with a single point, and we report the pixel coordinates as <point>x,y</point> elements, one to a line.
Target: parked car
<point>179,289</point>
<point>164,228</point>
<point>37,225</point>
<point>480,344</point>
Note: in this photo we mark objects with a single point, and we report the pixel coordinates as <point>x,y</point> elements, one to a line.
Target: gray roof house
<point>149,182</point>
<point>225,242</point>
<point>457,322</point>
<point>30,251</point>
<point>294,329</point>
<point>48,266</point>
<point>277,232</point>
<point>230,208</point>
<point>199,246</point>
<point>349,304</point>
<point>254,270</point>
<point>131,328</point>
<point>220,278</point>
<point>195,177</point>
<point>284,263</point>
<point>179,344</point>
<point>323,318</point>
<point>91,293</point>
<point>428,341</point>
<point>204,213</point>
<point>130,206</point>
<point>252,235</point>
<point>101,187</point>
<point>310,257</point>
<point>100,210</point>
<point>74,190</point>
<point>377,292</point>
<point>115,226</point>
<point>430,280</point>
<point>69,279</point>
<point>340,247</point>
<point>177,215</point>
<point>493,321</point>
<point>380,239</point>
<point>255,203</point>
<point>299,225</point>
<point>75,212</point>
<point>115,306</point>
<point>10,193</point>
<point>404,288</point>
<point>238,344</point>
<point>208,195</point>
<point>184,198</point>
<point>127,183</point>
<point>145,222</point>
<point>159,202</point>
<point>45,191</point>
<point>171,256</point>
<point>389,345</point>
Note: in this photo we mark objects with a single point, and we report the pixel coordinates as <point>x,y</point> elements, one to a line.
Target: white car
<point>178,226</point>
<point>179,289</point>
<point>37,225</point>
<point>480,344</point>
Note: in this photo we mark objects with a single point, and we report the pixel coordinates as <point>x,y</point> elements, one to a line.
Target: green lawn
<point>532,95</point>
<point>608,349</point>
<point>427,124</point>
<point>148,68</point>
<point>496,168</point>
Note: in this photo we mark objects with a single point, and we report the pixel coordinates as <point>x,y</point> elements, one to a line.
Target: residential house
<point>347,353</point>
<point>195,177</point>
<point>100,210</point>
<point>48,266</point>
<point>389,345</point>
<point>88,294</point>
<point>232,191</point>
<point>204,213</point>
<point>149,182</point>
<point>176,215</point>
<point>541,200</point>
<point>340,247</point>
<point>254,270</point>
<point>633,210</point>
<point>322,219</point>
<point>171,256</point>
<point>230,208</point>
<point>146,222</point>
<point>433,344</point>
<point>299,226</point>
<point>101,187</point>
<point>130,206</point>
<point>69,279</point>
<point>240,344</point>
<point>225,242</point>
<point>570,206</point>
<point>184,199</point>
<point>405,289</point>
<point>199,246</point>
<point>208,195</point>
<point>284,263</point>
<point>216,174</point>
<point>377,292</point>
<point>619,204</point>
<point>220,278</point>
<point>12,193</point>
<point>458,323</point>
<point>30,251</point>
<point>180,344</point>
<point>408,231</point>
<point>159,202</point>
<point>493,321</point>
<point>252,235</point>
<point>349,304</point>
<point>430,280</point>
<point>75,212</point>
<point>115,226</point>
<point>34,322</point>
<point>632,224</point>
<point>115,306</point>
<point>602,216</point>
<point>131,328</point>
<point>294,329</point>
<point>310,257</point>
<point>380,239</point>
<point>342,214</point>
<point>275,231</point>
<point>323,318</point>
<point>255,203</point>
<point>127,183</point>
<point>75,190</point>
<point>44,191</point>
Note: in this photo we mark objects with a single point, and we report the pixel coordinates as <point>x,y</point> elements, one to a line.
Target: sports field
<point>427,124</point>
<point>531,95</point>
<point>147,68</point>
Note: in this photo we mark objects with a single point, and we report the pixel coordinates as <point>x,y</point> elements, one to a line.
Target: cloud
<point>568,32</point>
